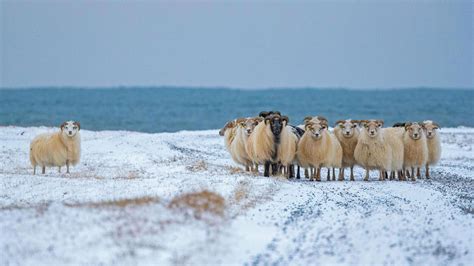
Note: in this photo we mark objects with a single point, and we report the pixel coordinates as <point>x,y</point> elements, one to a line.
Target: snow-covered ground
<point>131,201</point>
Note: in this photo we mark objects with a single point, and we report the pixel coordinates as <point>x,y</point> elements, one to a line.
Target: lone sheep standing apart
<point>57,149</point>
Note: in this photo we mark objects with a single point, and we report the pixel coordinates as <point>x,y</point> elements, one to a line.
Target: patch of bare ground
<point>201,204</point>
<point>120,203</point>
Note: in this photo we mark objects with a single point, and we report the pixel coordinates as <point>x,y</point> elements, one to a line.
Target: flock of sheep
<point>270,140</point>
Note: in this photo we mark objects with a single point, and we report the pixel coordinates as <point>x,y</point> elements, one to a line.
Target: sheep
<point>394,138</point>
<point>372,151</point>
<point>57,149</point>
<point>415,149</point>
<point>272,142</point>
<point>434,144</point>
<point>347,132</point>
<point>318,148</point>
<point>229,131</point>
<point>243,130</point>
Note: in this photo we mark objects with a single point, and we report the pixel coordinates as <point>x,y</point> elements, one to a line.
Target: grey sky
<point>268,44</point>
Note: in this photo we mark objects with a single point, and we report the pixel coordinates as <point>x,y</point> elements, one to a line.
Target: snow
<point>60,218</point>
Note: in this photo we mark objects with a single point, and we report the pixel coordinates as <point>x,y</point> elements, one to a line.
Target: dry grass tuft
<point>198,166</point>
<point>235,170</point>
<point>121,203</point>
<point>201,203</point>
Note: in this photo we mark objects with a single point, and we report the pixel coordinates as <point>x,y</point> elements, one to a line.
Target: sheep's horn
<point>263,114</point>
<point>78,125</point>
<point>285,118</point>
<point>322,118</point>
<point>436,124</point>
<point>62,125</point>
<point>275,112</point>
<point>340,122</point>
<point>308,118</point>
<point>380,122</point>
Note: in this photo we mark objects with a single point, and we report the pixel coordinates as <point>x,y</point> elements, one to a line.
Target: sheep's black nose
<point>70,132</point>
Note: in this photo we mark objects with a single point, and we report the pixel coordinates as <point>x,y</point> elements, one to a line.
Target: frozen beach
<point>178,198</point>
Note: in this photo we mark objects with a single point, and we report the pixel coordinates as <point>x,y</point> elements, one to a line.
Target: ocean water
<point>174,109</point>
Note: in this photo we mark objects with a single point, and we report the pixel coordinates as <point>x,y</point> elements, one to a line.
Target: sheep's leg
<point>247,168</point>
<point>318,174</point>
<point>401,175</point>
<point>413,177</point>
<point>266,171</point>
<point>329,174</point>
<point>275,167</point>
<point>341,174</point>
<point>381,175</point>
<point>352,173</point>
<point>292,170</point>
<point>59,169</point>
<point>392,175</point>
<point>407,173</point>
<point>333,174</point>
<point>427,173</point>
<point>366,178</point>
<point>306,173</point>
<point>43,170</point>
<point>298,176</point>
<point>313,171</point>
<point>418,174</point>
<point>34,169</point>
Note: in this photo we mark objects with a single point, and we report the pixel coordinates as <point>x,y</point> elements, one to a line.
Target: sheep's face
<point>315,129</point>
<point>348,127</point>
<point>431,129</point>
<point>250,123</point>
<point>70,128</point>
<point>372,127</point>
<point>277,123</point>
<point>230,124</point>
<point>415,130</point>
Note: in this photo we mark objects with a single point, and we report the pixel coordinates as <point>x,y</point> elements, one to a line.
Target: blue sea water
<point>174,109</point>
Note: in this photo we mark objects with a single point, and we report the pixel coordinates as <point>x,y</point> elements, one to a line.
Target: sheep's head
<point>277,123</point>
<point>316,129</point>
<point>265,113</point>
<point>372,127</point>
<point>230,124</point>
<point>348,127</point>
<point>250,123</point>
<point>430,128</point>
<point>415,130</point>
<point>70,128</point>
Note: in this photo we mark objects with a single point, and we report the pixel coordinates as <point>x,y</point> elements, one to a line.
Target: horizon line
<point>75,87</point>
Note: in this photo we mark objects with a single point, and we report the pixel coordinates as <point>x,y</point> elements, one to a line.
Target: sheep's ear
<point>380,123</point>
<point>78,125</point>
<point>258,119</point>
<point>363,122</point>
<point>263,114</point>
<point>286,119</point>
<point>307,119</point>
<point>62,125</point>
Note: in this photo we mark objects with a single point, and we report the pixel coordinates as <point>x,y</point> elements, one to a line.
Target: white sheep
<point>394,138</point>
<point>237,148</point>
<point>57,149</point>
<point>318,148</point>
<point>416,149</point>
<point>434,144</point>
<point>347,132</point>
<point>372,150</point>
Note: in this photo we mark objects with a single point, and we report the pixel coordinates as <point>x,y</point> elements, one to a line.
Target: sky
<point>363,44</point>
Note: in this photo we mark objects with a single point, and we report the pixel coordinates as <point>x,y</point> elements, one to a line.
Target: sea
<point>171,109</point>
